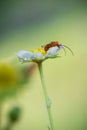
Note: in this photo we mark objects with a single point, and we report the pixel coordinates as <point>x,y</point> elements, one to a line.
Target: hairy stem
<point>0,114</point>
<point>47,99</point>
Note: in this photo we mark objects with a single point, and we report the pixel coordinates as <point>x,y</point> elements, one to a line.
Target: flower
<point>38,55</point>
<point>13,77</point>
<point>48,51</point>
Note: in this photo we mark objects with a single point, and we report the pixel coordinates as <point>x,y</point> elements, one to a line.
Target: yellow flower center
<point>39,50</point>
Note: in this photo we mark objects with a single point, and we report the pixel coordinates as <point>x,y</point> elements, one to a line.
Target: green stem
<point>0,114</point>
<point>47,99</point>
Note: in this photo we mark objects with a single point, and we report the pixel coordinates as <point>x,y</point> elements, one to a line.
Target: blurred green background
<point>29,24</point>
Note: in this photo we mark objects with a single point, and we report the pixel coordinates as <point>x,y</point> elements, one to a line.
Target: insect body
<point>51,44</point>
<point>56,43</point>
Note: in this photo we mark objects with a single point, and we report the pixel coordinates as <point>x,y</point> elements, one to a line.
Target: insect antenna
<point>69,49</point>
<point>64,51</point>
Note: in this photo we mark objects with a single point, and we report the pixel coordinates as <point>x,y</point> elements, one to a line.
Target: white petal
<point>52,51</point>
<point>24,55</point>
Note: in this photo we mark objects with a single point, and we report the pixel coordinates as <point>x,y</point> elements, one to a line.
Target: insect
<point>56,43</point>
<point>51,44</point>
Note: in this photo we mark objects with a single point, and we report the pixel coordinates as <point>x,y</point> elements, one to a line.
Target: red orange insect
<point>56,43</point>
